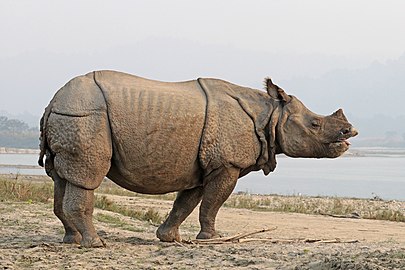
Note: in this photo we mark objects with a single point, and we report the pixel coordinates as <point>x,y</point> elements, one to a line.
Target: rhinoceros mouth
<point>343,141</point>
<point>340,143</point>
<point>337,148</point>
<point>343,144</point>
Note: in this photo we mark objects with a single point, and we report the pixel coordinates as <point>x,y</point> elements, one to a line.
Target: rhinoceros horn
<point>339,114</point>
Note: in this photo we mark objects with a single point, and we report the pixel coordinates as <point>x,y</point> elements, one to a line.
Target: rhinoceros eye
<point>316,124</point>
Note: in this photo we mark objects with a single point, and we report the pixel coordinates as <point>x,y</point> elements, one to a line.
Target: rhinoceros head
<point>302,133</point>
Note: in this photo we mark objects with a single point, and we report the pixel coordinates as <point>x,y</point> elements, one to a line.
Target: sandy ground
<point>30,238</point>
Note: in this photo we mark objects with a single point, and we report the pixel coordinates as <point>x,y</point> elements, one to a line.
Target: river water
<point>375,172</point>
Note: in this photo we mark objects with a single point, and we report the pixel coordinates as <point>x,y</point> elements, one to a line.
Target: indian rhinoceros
<point>196,137</point>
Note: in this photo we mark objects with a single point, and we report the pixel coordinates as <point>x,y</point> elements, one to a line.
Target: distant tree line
<point>17,134</point>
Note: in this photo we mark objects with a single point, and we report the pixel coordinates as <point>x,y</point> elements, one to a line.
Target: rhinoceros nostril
<point>354,131</point>
<point>344,131</point>
<point>351,130</point>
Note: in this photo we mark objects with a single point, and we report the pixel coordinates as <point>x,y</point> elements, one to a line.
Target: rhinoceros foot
<point>74,238</point>
<point>207,235</point>
<point>92,242</point>
<point>168,234</point>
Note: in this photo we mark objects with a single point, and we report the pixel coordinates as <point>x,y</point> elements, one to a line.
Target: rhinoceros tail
<point>43,145</point>
<point>42,142</point>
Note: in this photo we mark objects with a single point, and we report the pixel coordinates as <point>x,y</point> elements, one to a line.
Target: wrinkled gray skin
<point>196,137</point>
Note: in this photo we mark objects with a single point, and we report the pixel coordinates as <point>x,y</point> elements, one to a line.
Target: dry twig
<point>242,238</point>
<point>352,215</point>
<point>231,239</point>
<point>180,244</point>
<point>330,241</point>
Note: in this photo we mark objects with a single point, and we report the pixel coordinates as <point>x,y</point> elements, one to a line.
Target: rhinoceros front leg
<point>72,235</point>
<point>184,204</point>
<point>78,206</point>
<point>219,185</point>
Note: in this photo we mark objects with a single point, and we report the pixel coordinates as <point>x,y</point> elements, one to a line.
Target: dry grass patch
<point>42,191</point>
<point>117,222</point>
<point>150,215</point>
<point>25,191</point>
<point>368,209</point>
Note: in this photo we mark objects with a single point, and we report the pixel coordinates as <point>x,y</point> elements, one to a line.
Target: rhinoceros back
<point>156,126</point>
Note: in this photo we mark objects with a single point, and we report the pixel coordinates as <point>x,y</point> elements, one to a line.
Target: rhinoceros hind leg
<point>184,204</point>
<point>219,185</point>
<point>72,235</point>
<point>78,206</point>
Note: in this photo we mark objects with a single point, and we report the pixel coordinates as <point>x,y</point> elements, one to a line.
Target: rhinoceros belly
<point>156,130</point>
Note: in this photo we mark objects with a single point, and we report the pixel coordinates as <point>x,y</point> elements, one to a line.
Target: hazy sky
<point>361,27</point>
<point>45,42</point>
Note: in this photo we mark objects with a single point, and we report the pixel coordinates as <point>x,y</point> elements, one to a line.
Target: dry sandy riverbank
<point>30,238</point>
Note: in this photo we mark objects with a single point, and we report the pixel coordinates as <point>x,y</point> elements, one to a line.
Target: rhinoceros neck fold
<point>268,165</point>
<point>237,121</point>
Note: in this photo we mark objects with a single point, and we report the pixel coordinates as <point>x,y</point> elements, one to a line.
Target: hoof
<point>207,235</point>
<point>93,243</point>
<point>75,238</point>
<point>168,234</point>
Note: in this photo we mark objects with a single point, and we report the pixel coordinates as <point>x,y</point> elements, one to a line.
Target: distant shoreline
<point>6,150</point>
<point>353,152</point>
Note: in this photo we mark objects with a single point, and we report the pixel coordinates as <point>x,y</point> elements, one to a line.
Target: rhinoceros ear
<point>276,92</point>
<point>271,88</point>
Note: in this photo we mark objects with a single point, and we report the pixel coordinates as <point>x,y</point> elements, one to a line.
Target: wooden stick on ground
<point>242,238</point>
<point>231,239</point>
<point>352,215</point>
<point>180,244</point>
<point>244,235</point>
